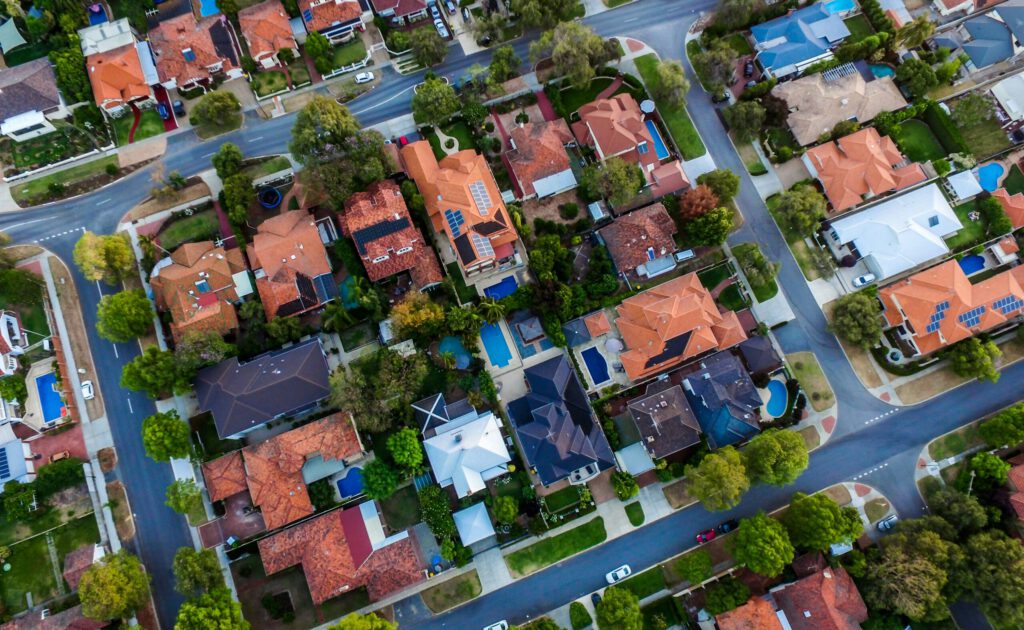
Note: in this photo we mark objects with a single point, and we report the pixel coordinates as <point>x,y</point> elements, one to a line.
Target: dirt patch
<point>122,511</point>
<point>677,495</point>
<point>811,437</point>
<point>71,307</point>
<point>151,206</point>
<point>929,385</point>
<point>108,458</point>
<point>547,208</point>
<point>839,494</point>
<point>141,153</point>
<point>73,501</point>
<point>721,560</point>
<point>21,252</point>
<point>862,364</point>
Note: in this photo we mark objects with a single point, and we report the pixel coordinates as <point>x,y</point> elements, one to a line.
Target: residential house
<point>388,243</point>
<point>1009,94</point>
<point>344,550</point>
<point>757,614</point>
<point>787,45</point>
<point>949,7</point>
<point>827,600</point>
<point>899,233</point>
<point>1013,205</point>
<point>988,39</point>
<point>200,284</point>
<point>724,400</point>
<point>275,473</point>
<point>473,524</point>
<point>672,323</point>
<point>896,10</point>
<point>465,447</point>
<point>13,342</point>
<point>118,80</point>
<point>1016,487</point>
<point>642,242</point>
<point>30,100</point>
<point>464,204</point>
<point>71,619</point>
<point>860,166</point>
<point>106,36</point>
<point>398,10</point>
<point>582,329</point>
<point>664,419</point>
<point>16,460</point>
<point>245,396</point>
<point>78,561</point>
<point>539,161</point>
<point>938,307</point>
<point>267,31</point>
<point>293,273</point>
<point>334,19</point>
<point>759,356</point>
<point>557,430</point>
<point>818,102</point>
<point>189,52</point>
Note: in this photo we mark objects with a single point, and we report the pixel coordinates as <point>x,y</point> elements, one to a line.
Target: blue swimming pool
<point>972,263</point>
<point>49,397</point>
<point>97,14</point>
<point>659,144</point>
<point>454,346</point>
<point>778,398</point>
<point>596,365</point>
<point>495,345</point>
<point>989,174</point>
<point>208,8</point>
<point>351,484</point>
<point>505,288</point>
<point>881,70</point>
<point>840,6</point>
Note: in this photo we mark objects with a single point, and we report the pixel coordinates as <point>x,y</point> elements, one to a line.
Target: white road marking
<point>632,19</point>
<point>363,111</point>
<point>873,470</point>
<point>103,202</point>
<point>210,154</point>
<point>99,289</point>
<point>58,234</point>
<point>129,401</point>
<point>879,417</point>
<point>18,225</point>
<point>256,139</point>
<point>115,350</point>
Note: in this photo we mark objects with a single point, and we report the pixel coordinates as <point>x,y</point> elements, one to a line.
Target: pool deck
<point>33,415</point>
<point>618,378</point>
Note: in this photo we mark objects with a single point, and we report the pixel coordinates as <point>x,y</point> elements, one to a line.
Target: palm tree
<point>913,34</point>
<point>491,310</point>
<point>336,317</point>
<point>448,360</point>
<point>367,296</point>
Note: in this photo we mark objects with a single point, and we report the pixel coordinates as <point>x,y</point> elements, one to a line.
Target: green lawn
<point>675,118</point>
<point>26,53</point>
<point>732,298</point>
<point>33,319</point>
<point>635,514</point>
<point>402,509</point>
<point>859,27</point>
<point>466,293</point>
<point>79,532</point>
<point>557,548</point>
<point>1014,181</point>
<point>573,98</point>
<point>807,370</point>
<point>273,165</point>
<point>762,292</point>
<point>25,191</point>
<point>611,4</point>
<point>149,125</point>
<point>739,43</point>
<point>918,143</point>
<point>660,614</point>
<point>955,443</point>
<point>451,593</point>
<point>714,276</point>
<point>647,583</point>
<point>986,138</point>
<point>462,134</point>
<point>134,10</point>
<point>972,232</point>
<point>198,227</point>
<point>564,498</point>
<point>269,82</point>
<point>205,132</point>
<point>350,53</point>
<point>299,72</point>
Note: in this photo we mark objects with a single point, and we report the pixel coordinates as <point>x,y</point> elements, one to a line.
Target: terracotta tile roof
<point>937,304</point>
<point>463,202</point>
<point>668,178</point>
<point>116,76</point>
<point>756,614</point>
<point>1009,246</point>
<point>1013,205</point>
<point>400,7</point>
<point>539,152</point>
<point>266,29</point>
<point>1017,503</point>
<point>327,13</point>
<point>809,563</point>
<point>615,127</point>
<point>1016,476</point>
<point>70,619</point>
<point>379,223</point>
<point>225,476</point>
<point>179,288</point>
<point>76,563</point>
<point>630,236</point>
<point>860,165</point>
<point>185,48</point>
<point>597,324</point>
<point>288,249</point>
<point>670,323</point>
<point>828,600</point>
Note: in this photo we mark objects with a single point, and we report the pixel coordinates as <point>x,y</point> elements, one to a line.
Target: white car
<point>364,77</point>
<point>619,574</point>
<point>863,281</point>
<point>434,13</point>
<point>87,391</point>
<point>498,625</point>
<point>442,30</point>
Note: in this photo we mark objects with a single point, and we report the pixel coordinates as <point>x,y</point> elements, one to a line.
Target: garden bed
<point>635,514</point>
<point>64,143</point>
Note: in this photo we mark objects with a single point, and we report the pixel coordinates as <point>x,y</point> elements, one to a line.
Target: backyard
<point>984,138</point>
<point>972,232</point>
<point>859,27</point>
<point>806,369</point>
<point>198,227</point>
<point>1014,180</point>
<point>675,118</point>
<point>150,124</point>
<point>918,143</point>
<point>557,548</point>
<point>714,276</point>
<point>466,293</point>
<point>402,509</point>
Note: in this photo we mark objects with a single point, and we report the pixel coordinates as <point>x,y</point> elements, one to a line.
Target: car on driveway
<point>466,15</point>
<point>863,281</point>
<point>728,526</point>
<point>442,30</point>
<point>706,536</point>
<point>748,68</point>
<point>887,523</point>
<point>595,598</point>
<point>451,6</point>
<point>179,108</point>
<point>434,13</point>
<point>364,77</point>
<point>618,575</point>
<point>87,391</point>
<point>161,108</point>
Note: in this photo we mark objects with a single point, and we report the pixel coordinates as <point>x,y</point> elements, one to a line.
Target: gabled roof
<point>668,178</point>
<point>827,600</point>
<point>539,154</point>
<point>613,126</point>
<point>105,36</point>
<point>1010,94</point>
<point>798,37</point>
<point>1013,205</point>
<point>292,257</point>
<point>29,87</point>
<point>117,76</point>
<point>225,476</point>
<point>321,15</point>
<point>401,8</point>
<point>725,400</point>
<point>266,28</point>
<point>670,323</point>
<point>434,412</point>
<point>664,419</point>
<point>756,614</point>
<point>1012,13</point>
<point>468,454</point>
<point>473,524</point>
<point>630,236</point>
<point>70,619</point>
<point>185,47</point>
<point>991,41</point>
<point>242,396</point>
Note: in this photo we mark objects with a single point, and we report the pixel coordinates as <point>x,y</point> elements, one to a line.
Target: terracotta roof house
<point>244,396</point>
<point>668,178</point>
<point>343,550</point>
<point>70,619</point>
<point>117,79</point>
<point>468,451</point>
<point>788,44</point>
<point>671,323</point>
<point>388,243</point>
<point>288,257</point>
<point>1013,205</point>
<point>464,203</point>
<point>1016,485</point>
<point>828,600</point>
<point>756,614</point>
<point>408,10</point>
<point>818,102</point>
<point>225,476</point>
<point>334,19</point>
<point>664,419</point>
<point>724,399</point>
<point>949,7</point>
<point>558,432</point>
<point>200,284</point>
<point>267,31</point>
<point>78,562</point>
<point>939,306</point>
<point>641,243</point>
<point>13,342</point>
<point>189,52</point>
<point>29,100</point>
<point>860,166</point>
<point>538,161</point>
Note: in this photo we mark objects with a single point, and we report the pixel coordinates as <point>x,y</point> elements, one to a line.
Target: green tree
<point>961,511</point>
<point>228,7</point>
<point>215,109</point>
<point>911,574</point>
<point>776,457</point>
<point>725,595</point>
<point>124,316</point>
<point>418,317</point>
<point>436,511</point>
<point>165,436</point>
<point>183,496</point>
<point>320,127</point>
<point>1004,429</point>
<point>239,194</point>
<point>974,358</point>
<point>428,47</point>
<point>672,85</point>
<point>19,286</point>
<point>817,521</point>
<point>114,588</point>
<point>917,76</point>
<point>320,50</point>
<point>723,182</point>
<point>914,33</point>
<point>715,65</point>
<point>734,14</point>
<point>281,330</point>
<point>856,319</point>
<point>801,210</point>
<point>575,50</point>
<point>504,64</point>
<point>619,609</point>
<point>616,180</point>
<point>405,449</point>
<point>158,373</point>
<point>196,572</point>
<point>995,216</point>
<point>198,349</point>
<point>695,566</point>
<point>625,485</point>
<point>989,471</point>
<point>434,102</point>
<point>379,480</point>
<point>720,480</point>
<point>369,621</point>
<point>228,160</point>
<point>994,577</point>
<point>13,388</point>
<point>579,617</point>
<point>396,380</point>
<point>69,68</point>
<point>215,609</point>
<point>711,228</point>
<point>491,310</point>
<point>745,119</point>
<point>762,545</point>
<point>108,258</point>
<point>972,109</point>
<point>506,509</point>
<point>545,13</point>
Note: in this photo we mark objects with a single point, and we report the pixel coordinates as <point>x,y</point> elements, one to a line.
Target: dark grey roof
<point>664,419</point>
<point>1012,13</point>
<point>991,41</point>
<point>530,329</point>
<point>674,347</point>
<point>576,332</point>
<point>166,10</point>
<point>222,42</point>
<point>376,231</point>
<point>724,399</point>
<point>465,249</point>
<point>29,87</point>
<point>555,424</point>
<point>759,355</point>
<point>245,395</point>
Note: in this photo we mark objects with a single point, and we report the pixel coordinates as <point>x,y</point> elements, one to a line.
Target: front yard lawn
<point>918,143</point>
<point>402,509</point>
<point>198,227</point>
<point>24,192</point>
<point>739,43</point>
<point>714,276</point>
<point>557,548</point>
<point>350,53</point>
<point>150,124</point>
<point>269,82</point>
<point>562,499</point>
<point>1014,181</point>
<point>859,27</point>
<point>972,231</point>
<point>451,593</point>
<point>806,369</point>
<point>647,583</point>
<point>635,514</point>
<point>732,298</point>
<point>267,167</point>
<point>299,72</point>
<point>462,134</point>
<point>675,118</point>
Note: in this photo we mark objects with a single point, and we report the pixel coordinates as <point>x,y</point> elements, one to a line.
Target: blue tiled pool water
<point>495,346</point>
<point>989,174</point>
<point>596,365</point>
<point>778,398</point>
<point>505,288</point>
<point>840,6</point>
<point>351,484</point>
<point>972,263</point>
<point>881,70</point>
<point>659,144</point>
<point>208,8</point>
<point>454,346</point>
<point>49,397</point>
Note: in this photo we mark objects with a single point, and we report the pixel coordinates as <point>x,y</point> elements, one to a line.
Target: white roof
<point>556,183</point>
<point>634,459</point>
<point>22,121</point>
<point>106,36</point>
<point>964,184</point>
<point>468,455</point>
<point>10,36</point>
<point>1010,94</point>
<point>473,523</point>
<point>901,232</point>
<point>148,65</point>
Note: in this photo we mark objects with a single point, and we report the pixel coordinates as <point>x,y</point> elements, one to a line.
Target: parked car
<point>466,15</point>
<point>364,77</point>
<point>451,6</point>
<point>749,84</point>
<point>748,68</point>
<point>863,281</point>
<point>179,108</point>
<point>595,598</point>
<point>498,625</point>
<point>161,109</point>
<point>56,457</point>
<point>87,391</point>
<point>887,523</point>
<point>721,97</point>
<point>728,526</point>
<point>442,30</point>
<point>402,141</point>
<point>706,536</point>
<point>434,13</point>
<point>618,575</point>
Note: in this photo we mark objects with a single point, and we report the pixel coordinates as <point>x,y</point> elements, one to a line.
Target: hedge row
<point>945,129</point>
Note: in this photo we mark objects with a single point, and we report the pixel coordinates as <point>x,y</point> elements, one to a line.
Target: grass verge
<point>556,548</point>
<point>205,132</point>
<point>644,584</point>
<point>876,509</point>
<point>451,593</point>
<point>26,191</point>
<point>955,443</point>
<point>807,370</point>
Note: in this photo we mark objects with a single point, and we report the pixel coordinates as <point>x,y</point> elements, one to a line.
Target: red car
<point>402,141</point>
<point>706,536</point>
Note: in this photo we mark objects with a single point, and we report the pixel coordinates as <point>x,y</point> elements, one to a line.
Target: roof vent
<point>827,574</point>
<point>458,438</point>
<point>807,614</point>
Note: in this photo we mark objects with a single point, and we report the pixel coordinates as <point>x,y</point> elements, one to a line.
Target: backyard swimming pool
<point>454,346</point>
<point>972,263</point>
<point>659,145</point>
<point>505,288</point>
<point>881,70</point>
<point>840,6</point>
<point>49,398</point>
<point>351,484</point>
<point>596,365</point>
<point>778,398</point>
<point>989,174</point>
<point>208,8</point>
<point>495,346</point>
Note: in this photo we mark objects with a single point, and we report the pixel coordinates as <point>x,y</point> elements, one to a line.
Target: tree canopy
<point>158,373</point>
<point>975,358</point>
<point>615,179</point>
<point>960,510</point>
<point>124,316</point>
<point>196,572</point>
<point>762,544</point>
<point>724,183</point>
<point>370,621</point>
<point>715,64</point>
<point>215,609</point>
<point>720,480</point>
<point>217,108</point>
<point>801,210</point>
<point>994,577</point>
<point>405,449</point>
<point>108,258</point>
<point>575,50</point>
<point>695,566</point>
<point>379,480</point>
<point>856,319</point>
<point>165,436</point>
<point>1005,428</point>
<point>672,85</point>
<point>434,102</point>
<point>911,575</point>
<point>817,521</point>
<point>711,228</point>
<point>619,609</point>
<point>917,76</point>
<point>776,457</point>
<point>545,13</point>
<point>745,119</point>
<point>428,47</point>
<point>114,588</point>
<point>227,160</point>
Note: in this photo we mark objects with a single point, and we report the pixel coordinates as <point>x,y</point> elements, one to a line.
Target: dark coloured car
<point>161,109</point>
<point>748,68</point>
<point>727,526</point>
<point>720,97</point>
<point>1017,136</point>
<point>595,598</point>
<point>179,108</point>
<point>706,536</point>
<point>749,84</point>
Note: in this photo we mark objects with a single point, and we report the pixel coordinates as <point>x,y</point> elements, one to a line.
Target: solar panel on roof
<point>932,327</point>
<point>455,219</point>
<point>189,54</point>
<point>1008,304</point>
<point>307,15</point>
<point>5,467</point>
<point>481,197</point>
<point>483,245</point>
<point>379,230</point>
<point>942,306</point>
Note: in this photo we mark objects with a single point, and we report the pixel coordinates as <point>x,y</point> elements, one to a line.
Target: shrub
<point>578,616</point>
<point>625,485</point>
<point>945,129</point>
<point>568,211</point>
<point>111,169</point>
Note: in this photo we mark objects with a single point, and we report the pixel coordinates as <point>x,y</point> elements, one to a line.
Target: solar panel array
<point>307,15</point>
<point>483,245</point>
<point>481,197</point>
<point>1008,304</point>
<point>972,317</point>
<point>455,220</point>
<point>5,467</point>
<point>940,314</point>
